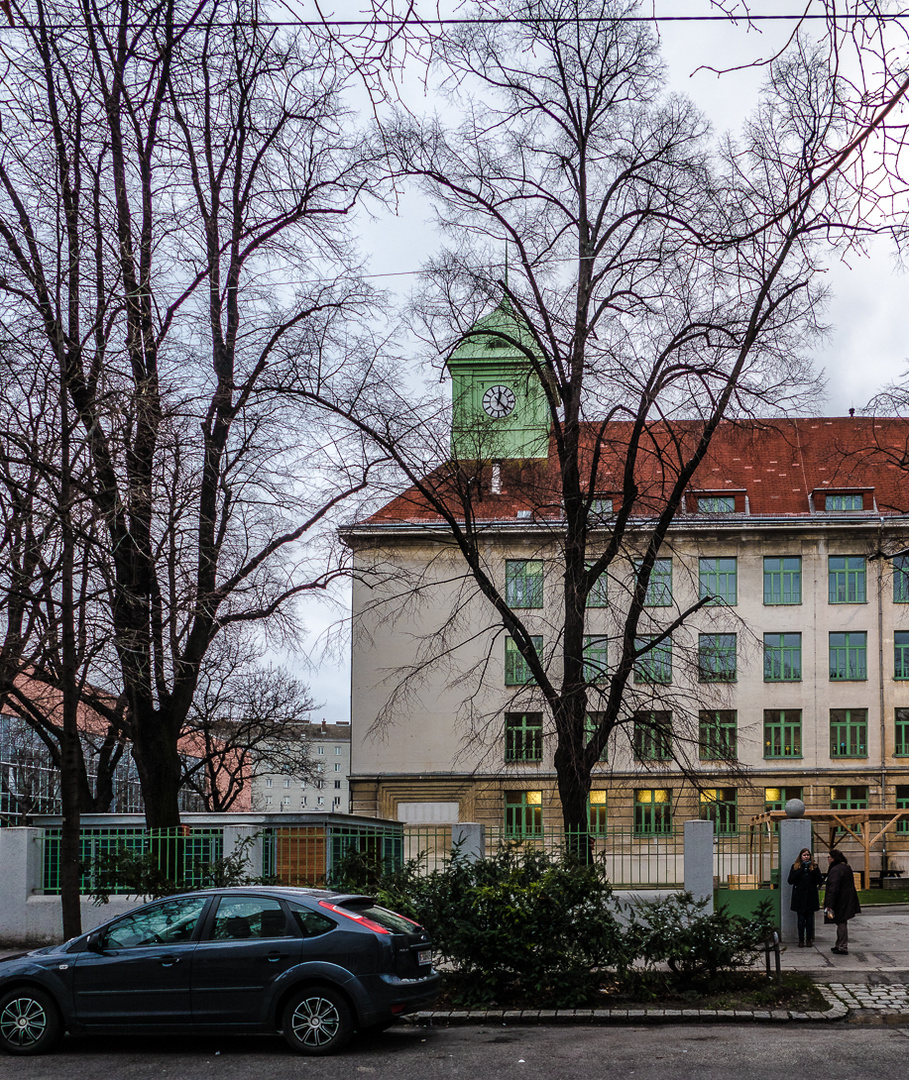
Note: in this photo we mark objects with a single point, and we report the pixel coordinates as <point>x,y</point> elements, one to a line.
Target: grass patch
<point>729,990</point>
<point>870,897</point>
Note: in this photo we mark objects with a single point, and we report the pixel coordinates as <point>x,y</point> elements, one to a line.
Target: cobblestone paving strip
<point>893,997</point>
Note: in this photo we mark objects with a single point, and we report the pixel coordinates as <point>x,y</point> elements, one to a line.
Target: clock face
<point>498,401</point>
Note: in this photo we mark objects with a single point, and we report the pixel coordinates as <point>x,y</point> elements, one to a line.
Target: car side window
<point>174,920</point>
<point>241,917</point>
<point>311,923</point>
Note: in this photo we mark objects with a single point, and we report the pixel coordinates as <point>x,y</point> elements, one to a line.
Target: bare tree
<point>174,179</point>
<point>660,281</point>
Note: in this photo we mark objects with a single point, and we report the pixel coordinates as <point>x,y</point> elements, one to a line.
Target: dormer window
<point>718,501</point>
<point>716,504</point>
<point>842,501</point>
<point>840,504</point>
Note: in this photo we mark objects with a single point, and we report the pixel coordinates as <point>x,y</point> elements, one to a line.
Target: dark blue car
<point>313,964</point>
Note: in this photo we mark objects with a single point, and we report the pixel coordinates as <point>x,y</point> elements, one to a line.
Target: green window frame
<point>902,803</point>
<point>598,597</point>
<point>717,735</point>
<point>652,812</point>
<point>782,580</point>
<point>849,797</point>
<point>597,813</point>
<point>846,579</point>
<point>849,656</point>
<point>517,672</point>
<point>901,654</point>
<point>716,504</point>
<point>600,507</point>
<point>524,583</point>
<point>659,588</point>
<point>782,733</point>
<point>523,813</point>
<point>842,503</point>
<point>901,733</point>
<point>718,578</point>
<point>591,722</point>
<point>596,658</point>
<point>720,805</point>
<point>775,798</point>
<point>654,667</point>
<point>652,737</point>
<point>848,733</point>
<point>524,736</point>
<point>900,579</point>
<point>782,657</point>
<point>717,658</point>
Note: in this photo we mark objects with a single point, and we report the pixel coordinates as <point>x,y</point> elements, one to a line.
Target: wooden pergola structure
<point>865,826</point>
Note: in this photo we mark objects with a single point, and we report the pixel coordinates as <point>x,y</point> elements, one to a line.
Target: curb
<point>532,1017</point>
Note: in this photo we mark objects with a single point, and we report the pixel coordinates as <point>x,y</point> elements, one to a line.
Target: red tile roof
<point>782,465</point>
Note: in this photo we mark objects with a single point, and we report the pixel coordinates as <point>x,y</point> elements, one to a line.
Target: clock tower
<point>499,407</point>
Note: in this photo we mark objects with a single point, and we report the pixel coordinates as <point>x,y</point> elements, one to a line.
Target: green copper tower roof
<point>496,336</point>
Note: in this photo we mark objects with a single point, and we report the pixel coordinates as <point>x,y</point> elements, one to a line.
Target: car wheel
<point>317,1020</point>
<point>29,1022</point>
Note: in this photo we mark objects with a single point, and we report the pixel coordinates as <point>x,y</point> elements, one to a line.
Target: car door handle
<point>272,957</point>
<point>169,961</point>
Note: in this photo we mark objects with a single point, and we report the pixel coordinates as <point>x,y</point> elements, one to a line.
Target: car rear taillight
<point>361,919</point>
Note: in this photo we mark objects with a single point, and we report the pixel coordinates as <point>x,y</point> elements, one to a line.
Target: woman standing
<point>841,900</point>
<point>805,879</point>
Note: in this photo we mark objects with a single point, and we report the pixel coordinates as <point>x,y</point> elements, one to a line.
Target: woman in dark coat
<point>841,900</point>
<point>805,878</point>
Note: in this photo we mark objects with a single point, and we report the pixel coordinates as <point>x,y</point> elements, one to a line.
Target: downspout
<point>880,674</point>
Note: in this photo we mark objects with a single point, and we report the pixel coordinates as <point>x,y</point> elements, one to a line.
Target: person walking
<point>805,878</point>
<point>841,901</point>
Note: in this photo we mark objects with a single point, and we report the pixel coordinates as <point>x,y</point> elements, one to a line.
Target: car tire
<point>30,1022</point>
<point>317,1020</point>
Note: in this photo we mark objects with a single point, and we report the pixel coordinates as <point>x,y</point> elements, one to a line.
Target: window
<point>337,785</point>
<point>901,742</point>
<point>848,733</point>
<point>524,583</point>
<point>320,750</point>
<point>719,579</point>
<point>268,781</point>
<point>524,813</point>
<point>782,733</point>
<point>652,812</point>
<point>901,655</point>
<point>596,812</point>
<point>241,917</point>
<point>320,801</point>
<point>782,657</point>
<point>517,673</point>
<point>523,736</point>
<point>653,736</point>
<point>719,805</point>
<point>902,803</point>
<point>174,920</point>
<point>595,650</point>
<point>716,657</point>
<point>337,766</point>
<point>287,782</point>
<point>717,735</point>
<point>600,507</point>
<point>853,797</point>
<point>901,579</point>
<point>838,503</point>
<point>655,665</point>
<point>846,579</point>
<point>598,596</point>
<point>783,580</point>
<point>591,722</point>
<point>337,751</point>
<point>849,657</point>
<point>659,587</point>
<point>775,798</point>
<point>716,504</point>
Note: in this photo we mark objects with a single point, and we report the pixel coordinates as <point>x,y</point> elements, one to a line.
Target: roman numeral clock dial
<point>498,401</point>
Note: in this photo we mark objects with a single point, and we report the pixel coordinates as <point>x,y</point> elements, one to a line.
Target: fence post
<point>22,877</point>
<point>698,860</point>
<point>795,834</point>
<point>470,839</point>
<point>236,835</point>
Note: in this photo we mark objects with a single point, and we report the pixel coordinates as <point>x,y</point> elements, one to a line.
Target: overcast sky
<point>866,348</point>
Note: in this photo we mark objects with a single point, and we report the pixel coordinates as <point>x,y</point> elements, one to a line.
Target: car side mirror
<point>93,942</point>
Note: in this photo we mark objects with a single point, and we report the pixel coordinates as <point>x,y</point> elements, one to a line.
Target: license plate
<point>424,956</point>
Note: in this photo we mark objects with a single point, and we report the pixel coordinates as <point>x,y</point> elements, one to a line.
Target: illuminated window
<point>720,806</point>
<point>596,808</point>
<point>652,812</point>
<point>775,798</point>
<point>524,813</point>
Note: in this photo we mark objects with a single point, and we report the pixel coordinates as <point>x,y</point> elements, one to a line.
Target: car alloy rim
<point>22,1021</point>
<point>315,1021</point>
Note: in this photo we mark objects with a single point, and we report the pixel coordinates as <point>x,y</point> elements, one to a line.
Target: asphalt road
<point>665,1052</point>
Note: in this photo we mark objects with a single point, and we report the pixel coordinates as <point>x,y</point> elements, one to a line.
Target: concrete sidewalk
<point>878,946</point>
